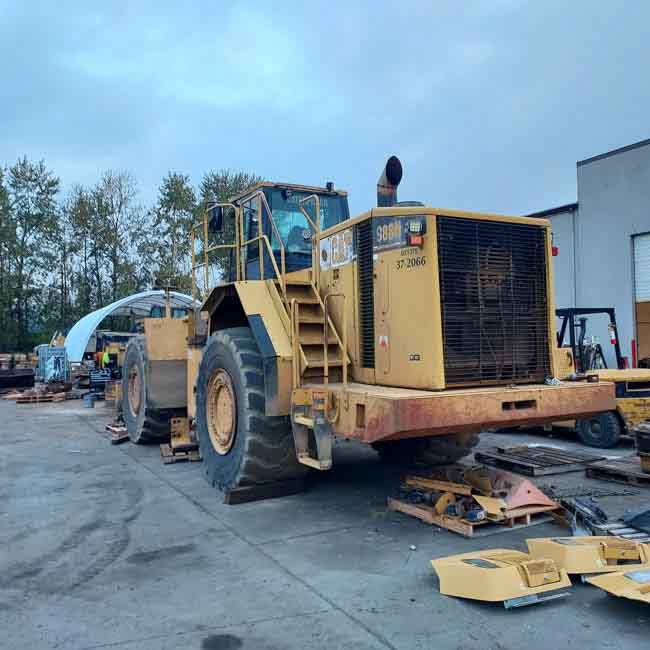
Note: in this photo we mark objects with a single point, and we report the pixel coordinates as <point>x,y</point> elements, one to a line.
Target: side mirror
<point>215,218</point>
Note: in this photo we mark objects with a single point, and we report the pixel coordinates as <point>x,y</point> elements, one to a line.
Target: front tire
<point>603,430</point>
<point>435,450</point>
<point>240,445</point>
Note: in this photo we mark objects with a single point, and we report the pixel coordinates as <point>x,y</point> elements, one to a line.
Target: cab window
<point>294,229</point>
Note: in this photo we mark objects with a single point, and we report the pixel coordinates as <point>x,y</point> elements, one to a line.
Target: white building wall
<point>563,224</point>
<point>614,205</point>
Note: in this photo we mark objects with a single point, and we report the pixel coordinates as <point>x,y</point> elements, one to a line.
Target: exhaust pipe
<point>388,182</point>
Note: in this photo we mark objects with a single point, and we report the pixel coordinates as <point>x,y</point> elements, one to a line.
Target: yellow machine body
<point>632,584</point>
<point>585,555</point>
<point>405,391</point>
<point>501,575</point>
<point>408,321</point>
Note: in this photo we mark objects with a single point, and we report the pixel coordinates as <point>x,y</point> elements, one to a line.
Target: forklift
<point>583,358</point>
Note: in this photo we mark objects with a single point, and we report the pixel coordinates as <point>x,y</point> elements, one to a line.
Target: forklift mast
<point>569,316</point>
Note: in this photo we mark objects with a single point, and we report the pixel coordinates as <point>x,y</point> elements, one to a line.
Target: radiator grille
<point>366,294</point>
<point>493,301</point>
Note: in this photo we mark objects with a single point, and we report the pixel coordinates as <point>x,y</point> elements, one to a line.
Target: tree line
<point>63,255</point>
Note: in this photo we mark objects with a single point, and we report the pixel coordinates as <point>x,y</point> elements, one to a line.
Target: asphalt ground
<point>105,547</point>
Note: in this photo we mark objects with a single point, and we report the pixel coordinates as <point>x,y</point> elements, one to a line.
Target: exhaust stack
<point>388,182</point>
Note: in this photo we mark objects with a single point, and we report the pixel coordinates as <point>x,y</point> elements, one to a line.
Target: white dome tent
<point>139,304</point>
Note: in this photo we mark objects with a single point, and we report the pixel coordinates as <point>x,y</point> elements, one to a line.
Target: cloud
<point>488,103</point>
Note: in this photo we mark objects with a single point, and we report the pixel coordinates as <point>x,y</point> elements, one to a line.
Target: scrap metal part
<point>501,575</point>
<point>639,519</point>
<point>585,555</point>
<point>634,585</point>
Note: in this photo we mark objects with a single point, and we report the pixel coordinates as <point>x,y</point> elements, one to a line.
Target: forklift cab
<point>294,231</point>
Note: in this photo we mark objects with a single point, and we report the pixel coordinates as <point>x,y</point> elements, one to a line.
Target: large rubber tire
<point>435,450</point>
<point>603,430</point>
<point>144,424</point>
<point>262,450</point>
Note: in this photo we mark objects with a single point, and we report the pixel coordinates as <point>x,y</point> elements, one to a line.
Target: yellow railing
<point>206,249</point>
<point>295,346</point>
<point>315,242</point>
<point>342,344</point>
<point>201,232</point>
<point>264,244</point>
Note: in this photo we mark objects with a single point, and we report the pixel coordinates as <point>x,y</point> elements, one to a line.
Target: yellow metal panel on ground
<point>497,575</point>
<point>634,585</point>
<point>583,555</point>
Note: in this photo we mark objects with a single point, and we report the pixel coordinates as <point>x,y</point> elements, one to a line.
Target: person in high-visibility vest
<point>106,360</point>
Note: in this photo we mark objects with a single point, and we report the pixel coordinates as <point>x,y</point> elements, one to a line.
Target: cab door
<point>251,251</point>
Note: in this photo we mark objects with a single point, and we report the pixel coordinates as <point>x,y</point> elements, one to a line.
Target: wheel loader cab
<point>292,231</point>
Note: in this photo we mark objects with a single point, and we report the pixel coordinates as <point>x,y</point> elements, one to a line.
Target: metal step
<point>308,339</point>
<point>311,318</point>
<point>304,421</point>
<point>320,363</point>
<point>306,459</point>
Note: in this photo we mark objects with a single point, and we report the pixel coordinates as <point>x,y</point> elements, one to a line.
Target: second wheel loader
<point>408,328</point>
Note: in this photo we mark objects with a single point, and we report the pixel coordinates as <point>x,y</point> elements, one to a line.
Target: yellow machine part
<point>584,555</point>
<point>632,584</point>
<point>564,364</point>
<point>626,375</point>
<point>501,575</point>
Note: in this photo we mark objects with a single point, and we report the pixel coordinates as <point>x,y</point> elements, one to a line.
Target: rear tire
<point>240,445</point>
<point>434,450</point>
<point>143,424</point>
<point>603,430</point>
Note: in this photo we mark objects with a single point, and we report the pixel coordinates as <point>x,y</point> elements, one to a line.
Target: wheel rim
<point>221,412</point>
<point>134,390</point>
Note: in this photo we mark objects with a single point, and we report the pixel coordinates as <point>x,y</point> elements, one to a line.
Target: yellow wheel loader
<point>407,327</point>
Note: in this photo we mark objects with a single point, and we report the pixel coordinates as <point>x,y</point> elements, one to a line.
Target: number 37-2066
<point>411,262</point>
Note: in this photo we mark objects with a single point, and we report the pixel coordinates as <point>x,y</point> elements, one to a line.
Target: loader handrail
<point>202,227</point>
<point>239,243</point>
<point>315,242</point>
<point>263,239</point>
<point>276,232</point>
<point>343,344</point>
<point>295,347</point>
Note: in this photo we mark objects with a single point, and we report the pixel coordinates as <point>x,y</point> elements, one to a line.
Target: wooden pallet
<point>514,519</point>
<point>170,456</point>
<point>622,470</point>
<point>40,398</point>
<point>535,461</point>
<point>622,530</point>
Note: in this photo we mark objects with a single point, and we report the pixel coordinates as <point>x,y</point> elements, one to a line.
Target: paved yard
<point>104,546</point>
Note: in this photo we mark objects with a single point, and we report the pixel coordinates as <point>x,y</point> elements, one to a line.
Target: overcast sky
<point>488,103</point>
